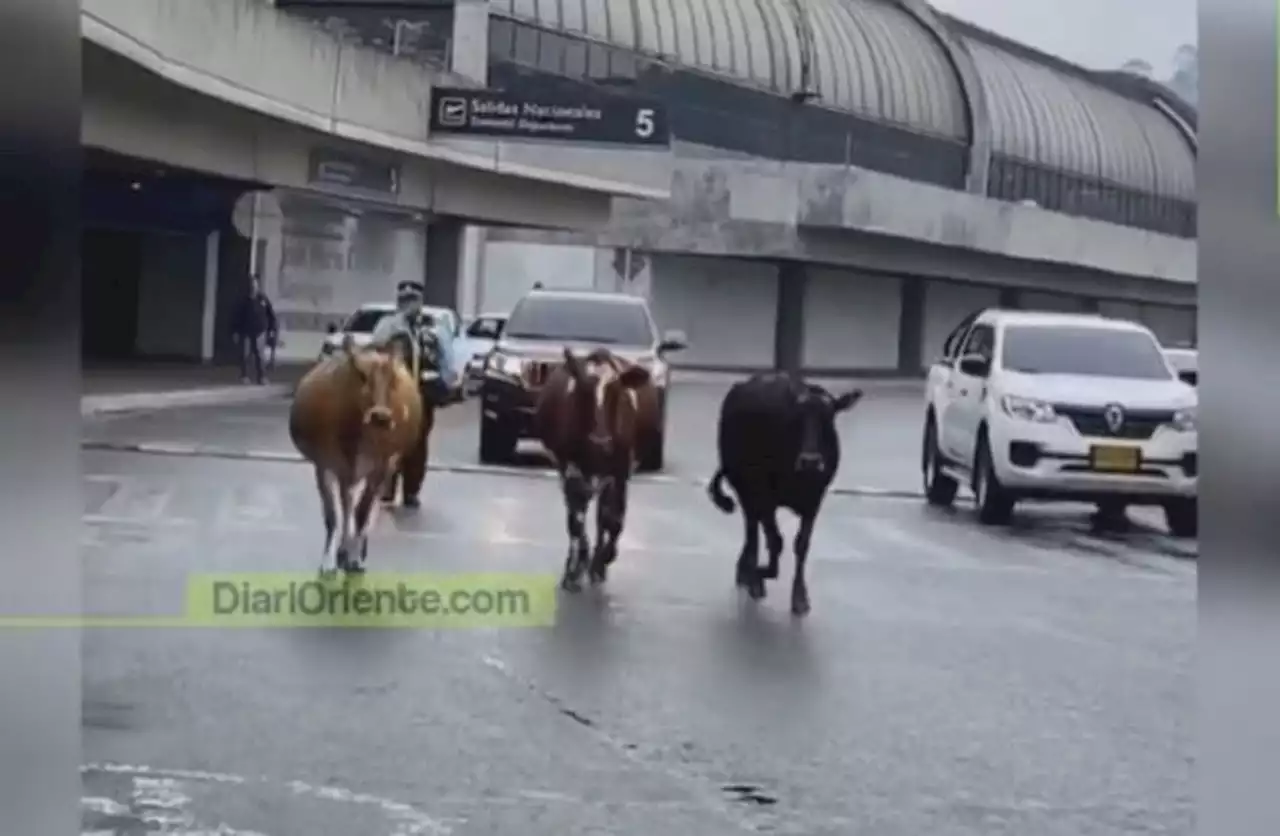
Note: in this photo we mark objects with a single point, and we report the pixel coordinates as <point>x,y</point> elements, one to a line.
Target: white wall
<point>851,320</point>
<point>726,307</point>
<point>509,270</point>
<point>945,304</point>
<point>171,296</point>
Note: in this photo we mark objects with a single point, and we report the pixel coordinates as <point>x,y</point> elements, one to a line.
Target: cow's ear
<point>634,377</point>
<point>572,366</point>
<point>847,400</point>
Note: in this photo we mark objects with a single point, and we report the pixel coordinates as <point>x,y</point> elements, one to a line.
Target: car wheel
<point>497,445</point>
<point>1183,517</point>
<point>995,505</point>
<point>939,488</point>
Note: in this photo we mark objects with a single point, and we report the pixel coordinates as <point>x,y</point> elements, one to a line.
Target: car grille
<point>1139,424</point>
<point>537,372</point>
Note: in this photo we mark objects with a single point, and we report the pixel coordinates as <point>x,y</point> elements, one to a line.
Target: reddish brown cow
<point>589,415</point>
<point>354,415</point>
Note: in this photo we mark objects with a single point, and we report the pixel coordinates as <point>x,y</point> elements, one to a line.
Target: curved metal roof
<point>870,57</point>
<point>1043,115</point>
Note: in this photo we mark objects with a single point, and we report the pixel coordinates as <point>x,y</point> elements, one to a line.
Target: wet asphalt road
<point>950,680</point>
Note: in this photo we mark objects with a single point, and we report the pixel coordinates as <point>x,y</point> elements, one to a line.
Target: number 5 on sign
<point>644,122</point>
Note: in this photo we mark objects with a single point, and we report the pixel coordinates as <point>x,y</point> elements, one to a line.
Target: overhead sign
<point>330,167</point>
<point>617,120</point>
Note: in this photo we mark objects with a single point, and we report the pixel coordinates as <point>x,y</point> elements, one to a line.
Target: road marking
<point>134,498</point>
<point>160,789</point>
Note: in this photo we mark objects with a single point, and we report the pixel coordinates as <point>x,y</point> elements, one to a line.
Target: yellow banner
<point>374,599</point>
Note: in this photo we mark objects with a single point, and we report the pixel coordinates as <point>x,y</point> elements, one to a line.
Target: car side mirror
<point>1190,377</point>
<point>673,341</point>
<point>332,329</point>
<point>975,365</point>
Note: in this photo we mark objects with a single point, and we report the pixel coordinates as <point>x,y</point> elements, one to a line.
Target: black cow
<point>778,449</point>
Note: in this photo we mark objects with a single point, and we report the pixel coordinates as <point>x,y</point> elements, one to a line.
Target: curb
<point>210,396</point>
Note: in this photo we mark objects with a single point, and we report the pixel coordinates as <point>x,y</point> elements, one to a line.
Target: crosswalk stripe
<point>137,500</point>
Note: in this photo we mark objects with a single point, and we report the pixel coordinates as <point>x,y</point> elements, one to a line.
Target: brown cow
<point>354,416</point>
<point>589,415</point>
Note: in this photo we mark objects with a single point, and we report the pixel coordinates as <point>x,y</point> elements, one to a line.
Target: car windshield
<point>487,328</point>
<point>365,320</point>
<point>606,322</point>
<point>1083,350</point>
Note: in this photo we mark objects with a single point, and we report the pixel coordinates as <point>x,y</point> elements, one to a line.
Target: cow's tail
<point>715,490</point>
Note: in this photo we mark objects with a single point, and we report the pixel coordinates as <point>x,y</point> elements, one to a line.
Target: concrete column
<point>911,327</point>
<point>1010,297</point>
<point>788,346</point>
<point>443,261</point>
<point>471,271</point>
<point>469,47</point>
<point>209,318</point>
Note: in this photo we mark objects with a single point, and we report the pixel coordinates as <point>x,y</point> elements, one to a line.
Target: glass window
<point>952,344</point>
<point>1082,350</point>
<point>551,53</point>
<point>600,321</point>
<point>981,342</point>
<point>575,58</point>
<point>485,328</point>
<point>597,61</point>
<point>501,39</point>
<point>526,48</point>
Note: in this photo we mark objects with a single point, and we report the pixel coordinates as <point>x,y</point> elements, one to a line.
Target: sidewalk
<point>143,386</point>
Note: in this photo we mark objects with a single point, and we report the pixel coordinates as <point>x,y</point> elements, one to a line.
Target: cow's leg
<point>366,514</point>
<point>799,587</point>
<point>748,575</point>
<point>611,516</point>
<point>773,542</point>
<point>577,496</point>
<point>346,498</point>
<point>327,484</point>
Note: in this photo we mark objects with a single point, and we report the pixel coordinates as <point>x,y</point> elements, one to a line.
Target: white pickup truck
<point>1053,406</point>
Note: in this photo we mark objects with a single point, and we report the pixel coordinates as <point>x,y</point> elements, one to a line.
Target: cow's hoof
<point>800,606</point>
<point>755,588</point>
<point>354,568</point>
<point>599,574</point>
<point>327,573</point>
<point>570,584</point>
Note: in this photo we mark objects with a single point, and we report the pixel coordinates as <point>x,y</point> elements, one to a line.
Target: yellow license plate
<point>1115,459</point>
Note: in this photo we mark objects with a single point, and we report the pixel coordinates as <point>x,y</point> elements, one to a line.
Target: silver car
<point>361,323</point>
<point>479,338</point>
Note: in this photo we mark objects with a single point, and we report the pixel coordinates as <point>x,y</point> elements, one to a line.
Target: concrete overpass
<point>270,86</point>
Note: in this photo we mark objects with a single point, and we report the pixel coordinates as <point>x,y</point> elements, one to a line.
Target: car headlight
<point>1184,420</point>
<point>505,365</point>
<point>1028,409</point>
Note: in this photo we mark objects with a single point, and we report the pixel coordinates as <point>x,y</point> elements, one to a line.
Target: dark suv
<point>540,327</point>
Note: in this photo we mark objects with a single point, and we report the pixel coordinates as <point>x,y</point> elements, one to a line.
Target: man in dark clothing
<point>254,319</point>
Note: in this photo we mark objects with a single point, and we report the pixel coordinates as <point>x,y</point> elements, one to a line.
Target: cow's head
<point>603,396</point>
<point>376,374</point>
<point>816,411</point>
